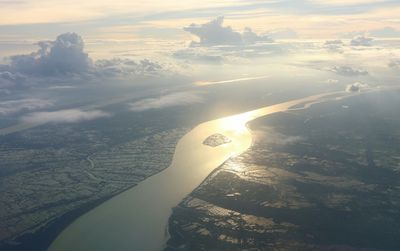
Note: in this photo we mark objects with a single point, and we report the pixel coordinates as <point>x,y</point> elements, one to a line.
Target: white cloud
<point>63,116</point>
<point>332,81</point>
<point>345,2</point>
<point>125,67</point>
<point>15,106</point>
<point>214,33</point>
<point>361,41</point>
<point>282,34</point>
<point>334,45</point>
<point>218,44</point>
<point>199,55</point>
<point>395,63</point>
<point>386,32</point>
<point>276,139</point>
<point>347,71</point>
<point>170,100</point>
<point>356,87</point>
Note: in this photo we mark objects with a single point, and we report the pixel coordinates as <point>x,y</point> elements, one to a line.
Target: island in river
<point>216,139</point>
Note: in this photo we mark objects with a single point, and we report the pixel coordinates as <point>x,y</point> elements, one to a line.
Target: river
<point>137,218</point>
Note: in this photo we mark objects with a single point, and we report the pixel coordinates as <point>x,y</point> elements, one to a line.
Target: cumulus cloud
<point>218,43</point>
<point>15,106</point>
<point>65,59</point>
<point>361,41</point>
<point>63,116</point>
<point>250,37</point>
<point>356,87</point>
<point>65,55</point>
<point>214,33</point>
<point>347,71</point>
<point>170,100</point>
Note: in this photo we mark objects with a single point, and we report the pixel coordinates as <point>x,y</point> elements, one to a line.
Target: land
<point>324,178</point>
<point>52,174</point>
<point>216,140</point>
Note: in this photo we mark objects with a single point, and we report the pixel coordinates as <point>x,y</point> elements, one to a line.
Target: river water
<point>137,218</point>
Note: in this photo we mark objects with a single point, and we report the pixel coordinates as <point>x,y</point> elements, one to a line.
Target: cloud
<point>387,32</point>
<point>361,41</point>
<point>345,2</point>
<point>352,34</point>
<point>395,63</point>
<point>9,79</point>
<point>282,34</point>
<point>15,106</point>
<point>65,61</point>
<point>170,100</point>
<point>63,56</point>
<point>125,67</point>
<point>347,71</point>
<point>66,56</point>
<point>218,44</point>
<point>332,81</point>
<point>214,33</point>
<point>199,55</point>
<point>63,116</point>
<point>250,37</point>
<point>334,45</point>
<point>356,87</point>
<point>276,139</point>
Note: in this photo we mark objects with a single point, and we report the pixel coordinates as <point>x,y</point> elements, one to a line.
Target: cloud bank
<point>170,100</point>
<point>15,106</point>
<point>214,33</point>
<point>395,64</point>
<point>387,32</point>
<point>334,45</point>
<point>347,71</point>
<point>361,41</point>
<point>65,59</point>
<point>63,116</point>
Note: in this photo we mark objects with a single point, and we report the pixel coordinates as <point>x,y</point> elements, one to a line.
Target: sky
<point>52,50</point>
<point>123,19</point>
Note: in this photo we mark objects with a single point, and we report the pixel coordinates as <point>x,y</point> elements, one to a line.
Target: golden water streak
<point>137,218</point>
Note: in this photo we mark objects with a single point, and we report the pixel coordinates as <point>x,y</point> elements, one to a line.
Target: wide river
<point>137,218</point>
